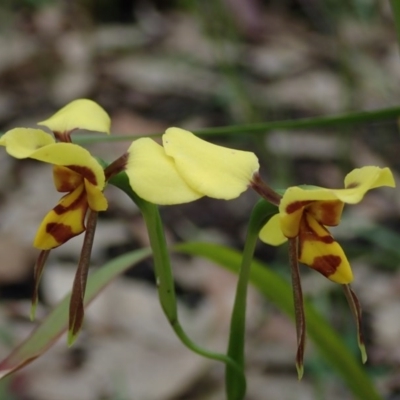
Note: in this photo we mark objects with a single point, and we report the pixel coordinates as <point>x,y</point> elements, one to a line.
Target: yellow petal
<point>95,197</point>
<point>291,208</point>
<point>39,145</point>
<point>360,180</point>
<point>64,221</point>
<point>75,158</point>
<point>153,176</point>
<point>22,142</point>
<point>66,180</point>
<point>271,233</point>
<point>79,114</point>
<point>212,170</point>
<point>321,252</point>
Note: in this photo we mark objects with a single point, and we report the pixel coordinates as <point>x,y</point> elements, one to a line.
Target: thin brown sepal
<point>264,190</point>
<point>298,306</point>
<point>37,274</point>
<point>356,310</point>
<point>76,308</point>
<point>116,166</point>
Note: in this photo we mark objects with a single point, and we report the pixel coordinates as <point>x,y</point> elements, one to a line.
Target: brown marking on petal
<point>60,232</point>
<point>326,265</point>
<point>326,239</point>
<point>79,202</point>
<point>328,212</point>
<point>66,184</point>
<point>86,172</point>
<point>66,187</point>
<point>307,233</point>
<point>352,185</point>
<point>296,205</point>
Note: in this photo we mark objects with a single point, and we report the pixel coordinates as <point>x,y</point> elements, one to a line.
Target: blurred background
<point>196,64</point>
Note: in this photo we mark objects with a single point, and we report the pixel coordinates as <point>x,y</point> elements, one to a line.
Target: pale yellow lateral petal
<point>360,180</point>
<point>214,171</point>
<point>95,197</point>
<point>75,158</point>
<point>79,114</point>
<point>22,142</point>
<point>153,176</point>
<point>321,252</point>
<point>271,233</point>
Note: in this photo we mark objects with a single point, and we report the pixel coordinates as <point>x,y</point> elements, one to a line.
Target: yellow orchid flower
<point>303,216</point>
<point>304,213</point>
<point>187,168</point>
<point>76,173</point>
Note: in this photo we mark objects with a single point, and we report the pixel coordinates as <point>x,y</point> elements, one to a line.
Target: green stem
<point>260,128</point>
<point>261,213</point>
<point>163,272</point>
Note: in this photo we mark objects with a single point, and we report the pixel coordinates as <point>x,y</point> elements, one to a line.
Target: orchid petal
<point>95,197</point>
<point>153,175</point>
<point>212,170</point>
<point>64,221</point>
<point>22,142</point>
<point>39,145</point>
<point>75,158</point>
<point>79,114</point>
<point>271,233</point>
<point>319,251</point>
<point>360,180</point>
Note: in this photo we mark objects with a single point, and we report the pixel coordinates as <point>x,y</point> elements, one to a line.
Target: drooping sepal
<point>76,307</point>
<point>356,310</point>
<point>298,307</point>
<point>37,274</point>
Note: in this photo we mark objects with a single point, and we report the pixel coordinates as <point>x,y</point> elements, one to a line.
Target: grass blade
<point>55,324</point>
<point>279,292</point>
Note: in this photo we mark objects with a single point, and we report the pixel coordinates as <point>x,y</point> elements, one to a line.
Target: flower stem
<point>265,191</point>
<point>261,213</point>
<point>116,166</point>
<point>163,272</point>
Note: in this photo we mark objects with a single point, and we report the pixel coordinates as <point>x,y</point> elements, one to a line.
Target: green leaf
<point>262,127</point>
<point>261,213</point>
<point>54,325</point>
<point>279,292</point>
